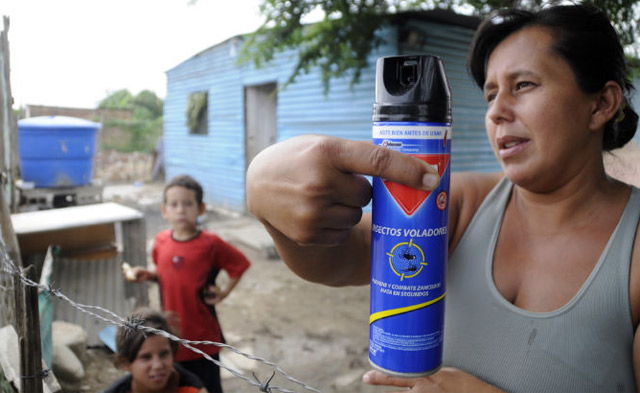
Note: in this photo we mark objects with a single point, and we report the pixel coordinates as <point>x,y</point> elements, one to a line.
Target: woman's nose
<point>501,108</point>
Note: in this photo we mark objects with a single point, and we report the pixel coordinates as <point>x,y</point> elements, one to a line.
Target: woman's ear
<point>607,105</point>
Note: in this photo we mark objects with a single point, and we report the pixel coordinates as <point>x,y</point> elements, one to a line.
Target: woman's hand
<point>446,380</point>
<point>311,188</point>
<point>309,192</point>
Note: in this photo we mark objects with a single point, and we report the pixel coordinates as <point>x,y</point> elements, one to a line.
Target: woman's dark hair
<point>129,340</point>
<point>187,182</point>
<point>584,38</point>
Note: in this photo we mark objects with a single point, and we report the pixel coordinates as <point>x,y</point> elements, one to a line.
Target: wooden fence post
<point>28,329</point>
<point>8,125</point>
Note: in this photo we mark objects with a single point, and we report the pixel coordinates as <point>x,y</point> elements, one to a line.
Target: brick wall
<point>98,115</point>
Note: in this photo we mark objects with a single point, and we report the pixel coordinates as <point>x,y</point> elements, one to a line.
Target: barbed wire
<point>109,317</point>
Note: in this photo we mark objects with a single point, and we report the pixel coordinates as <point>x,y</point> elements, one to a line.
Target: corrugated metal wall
<point>217,159</point>
<point>95,282</point>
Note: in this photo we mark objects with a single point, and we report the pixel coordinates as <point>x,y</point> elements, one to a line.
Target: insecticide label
<point>409,253</point>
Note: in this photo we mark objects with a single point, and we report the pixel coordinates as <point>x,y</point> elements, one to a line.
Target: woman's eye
<point>490,97</point>
<point>523,84</point>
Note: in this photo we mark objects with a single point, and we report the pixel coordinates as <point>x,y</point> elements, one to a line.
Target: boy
<point>187,261</point>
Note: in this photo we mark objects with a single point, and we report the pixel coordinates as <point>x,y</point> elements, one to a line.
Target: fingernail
<point>430,181</point>
<point>366,378</point>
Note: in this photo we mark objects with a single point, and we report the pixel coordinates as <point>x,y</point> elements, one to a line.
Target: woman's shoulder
<point>468,191</point>
<point>474,185</point>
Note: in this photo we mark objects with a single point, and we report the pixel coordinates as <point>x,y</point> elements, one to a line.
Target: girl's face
<point>181,209</point>
<point>538,119</point>
<point>153,365</point>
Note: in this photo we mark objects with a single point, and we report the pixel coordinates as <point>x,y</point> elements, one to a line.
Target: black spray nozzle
<point>412,88</point>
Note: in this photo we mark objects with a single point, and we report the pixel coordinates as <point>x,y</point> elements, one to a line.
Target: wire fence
<point>9,268</point>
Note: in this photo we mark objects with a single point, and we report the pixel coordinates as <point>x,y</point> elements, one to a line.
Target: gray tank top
<point>584,346</point>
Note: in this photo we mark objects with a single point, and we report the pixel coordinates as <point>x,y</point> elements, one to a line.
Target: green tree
<point>147,105</point>
<point>145,125</point>
<point>120,99</point>
<point>342,40</point>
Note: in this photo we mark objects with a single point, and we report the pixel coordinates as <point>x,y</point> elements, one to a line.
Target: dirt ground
<point>318,335</point>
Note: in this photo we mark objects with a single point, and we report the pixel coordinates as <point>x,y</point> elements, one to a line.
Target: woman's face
<point>153,365</point>
<point>537,118</point>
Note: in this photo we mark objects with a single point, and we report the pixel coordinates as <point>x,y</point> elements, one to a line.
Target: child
<point>187,261</point>
<point>149,360</point>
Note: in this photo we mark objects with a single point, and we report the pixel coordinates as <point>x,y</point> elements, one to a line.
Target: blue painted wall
<point>217,159</point>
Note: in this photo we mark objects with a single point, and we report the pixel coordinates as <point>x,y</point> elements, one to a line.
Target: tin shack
<point>219,114</point>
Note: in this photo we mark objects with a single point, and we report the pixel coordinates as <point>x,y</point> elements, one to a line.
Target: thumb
<point>368,159</point>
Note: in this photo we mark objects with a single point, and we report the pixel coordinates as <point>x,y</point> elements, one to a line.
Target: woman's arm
<point>309,193</point>
<point>468,190</point>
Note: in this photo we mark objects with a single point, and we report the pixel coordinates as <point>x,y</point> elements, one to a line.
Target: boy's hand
<point>137,273</point>
<point>213,295</point>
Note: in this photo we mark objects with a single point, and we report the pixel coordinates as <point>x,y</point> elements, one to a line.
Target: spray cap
<point>412,88</point>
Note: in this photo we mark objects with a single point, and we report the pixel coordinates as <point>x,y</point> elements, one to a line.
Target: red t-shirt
<point>184,267</point>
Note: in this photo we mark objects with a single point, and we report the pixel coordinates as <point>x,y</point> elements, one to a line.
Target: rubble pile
<point>114,166</point>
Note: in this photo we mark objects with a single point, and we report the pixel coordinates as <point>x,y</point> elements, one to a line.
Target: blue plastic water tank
<point>57,151</point>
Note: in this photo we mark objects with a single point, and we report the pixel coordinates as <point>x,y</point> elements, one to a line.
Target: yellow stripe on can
<point>387,313</point>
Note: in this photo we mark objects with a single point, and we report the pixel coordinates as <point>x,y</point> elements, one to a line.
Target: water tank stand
<point>36,198</point>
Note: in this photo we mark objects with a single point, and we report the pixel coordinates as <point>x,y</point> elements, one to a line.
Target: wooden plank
<point>28,330</point>
<point>74,242</point>
<point>72,217</point>
<point>32,374</point>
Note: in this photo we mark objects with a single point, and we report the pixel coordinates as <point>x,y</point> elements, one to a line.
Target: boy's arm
<point>139,273</point>
<point>215,295</point>
<point>230,285</point>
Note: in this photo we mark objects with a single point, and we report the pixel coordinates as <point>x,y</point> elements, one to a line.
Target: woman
<point>543,280</point>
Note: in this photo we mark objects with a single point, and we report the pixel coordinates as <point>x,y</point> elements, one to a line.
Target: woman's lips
<point>509,146</point>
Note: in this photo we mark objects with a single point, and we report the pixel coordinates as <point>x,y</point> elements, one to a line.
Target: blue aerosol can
<point>412,115</point>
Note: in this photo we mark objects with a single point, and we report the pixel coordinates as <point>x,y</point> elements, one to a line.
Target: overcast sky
<point>73,52</point>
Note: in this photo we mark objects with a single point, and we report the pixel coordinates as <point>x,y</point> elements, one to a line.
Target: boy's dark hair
<point>584,38</point>
<point>129,340</point>
<point>187,182</point>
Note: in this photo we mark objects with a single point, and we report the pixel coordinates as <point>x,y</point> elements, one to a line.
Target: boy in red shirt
<point>187,261</point>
